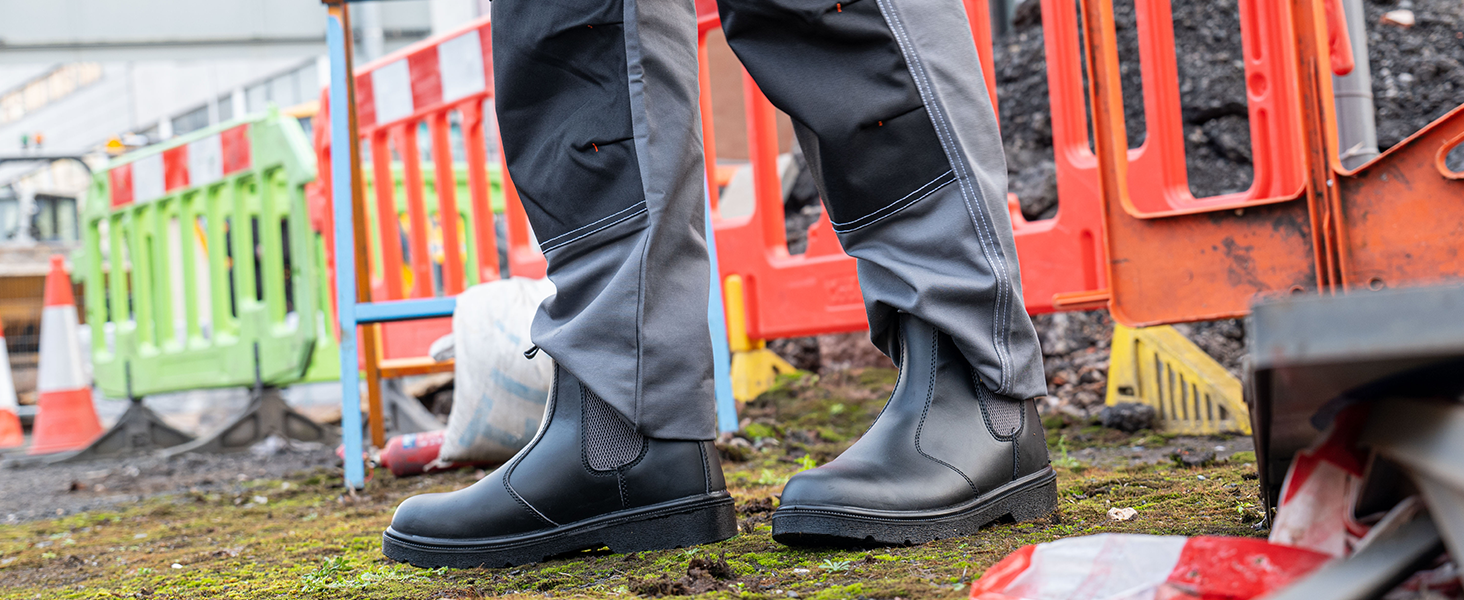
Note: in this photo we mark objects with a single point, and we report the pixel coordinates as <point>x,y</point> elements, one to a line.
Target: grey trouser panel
<point>597,105</point>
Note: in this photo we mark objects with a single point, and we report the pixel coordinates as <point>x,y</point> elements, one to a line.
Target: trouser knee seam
<point>549,245</point>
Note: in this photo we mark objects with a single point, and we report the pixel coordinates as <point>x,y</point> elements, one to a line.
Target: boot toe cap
<point>482,510</point>
<point>859,484</point>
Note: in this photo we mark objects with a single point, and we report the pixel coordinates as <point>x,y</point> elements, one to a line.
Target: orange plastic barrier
<point>1134,239</point>
<point>1062,258</point>
<point>818,291</point>
<point>1392,222</point>
<point>419,87</point>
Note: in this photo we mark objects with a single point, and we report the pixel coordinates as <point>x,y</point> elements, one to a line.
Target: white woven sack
<point>499,396</point>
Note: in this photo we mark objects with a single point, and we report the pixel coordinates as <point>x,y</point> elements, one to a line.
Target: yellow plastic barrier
<point>1160,367</point>
<point>754,367</point>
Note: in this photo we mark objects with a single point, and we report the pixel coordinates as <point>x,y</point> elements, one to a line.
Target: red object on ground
<point>65,417</point>
<point>416,453</point>
<point>1144,566</point>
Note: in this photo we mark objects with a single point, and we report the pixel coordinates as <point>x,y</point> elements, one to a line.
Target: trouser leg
<point>597,108</point>
<point>891,110</point>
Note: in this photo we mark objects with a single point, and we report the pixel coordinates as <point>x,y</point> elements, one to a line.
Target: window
<point>226,108</point>
<point>191,121</point>
<point>256,98</point>
<point>56,84</point>
<point>55,219</point>
<point>51,218</point>
<point>9,215</point>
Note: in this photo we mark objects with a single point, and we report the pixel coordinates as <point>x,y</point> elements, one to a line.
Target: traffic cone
<point>65,417</point>
<point>11,435</point>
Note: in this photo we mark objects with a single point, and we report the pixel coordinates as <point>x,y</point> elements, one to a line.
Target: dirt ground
<point>51,491</point>
<point>282,526</point>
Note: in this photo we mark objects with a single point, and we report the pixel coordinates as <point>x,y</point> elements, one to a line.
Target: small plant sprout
<point>806,462</point>
<point>1063,460</point>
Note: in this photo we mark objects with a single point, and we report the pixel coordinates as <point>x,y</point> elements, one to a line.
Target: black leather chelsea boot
<point>944,458</point>
<point>587,480</point>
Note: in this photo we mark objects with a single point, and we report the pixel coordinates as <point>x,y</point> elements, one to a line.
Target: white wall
<point>131,96</point>
<point>162,58</point>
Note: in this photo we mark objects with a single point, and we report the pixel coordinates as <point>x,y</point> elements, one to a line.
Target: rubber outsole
<point>677,524</point>
<point>1032,497</point>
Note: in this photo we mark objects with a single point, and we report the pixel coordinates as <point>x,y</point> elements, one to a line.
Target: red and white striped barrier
<point>65,417</point>
<point>199,163</point>
<point>425,79</point>
<point>11,435</point>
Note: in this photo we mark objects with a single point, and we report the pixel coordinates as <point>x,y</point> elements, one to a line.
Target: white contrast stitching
<point>617,213</point>
<point>876,217</point>
<point>978,217</point>
<point>548,249</point>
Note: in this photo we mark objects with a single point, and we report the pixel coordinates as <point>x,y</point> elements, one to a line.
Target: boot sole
<point>676,524</point>
<point>1031,497</point>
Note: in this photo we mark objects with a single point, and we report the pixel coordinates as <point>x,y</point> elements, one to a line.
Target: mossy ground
<point>302,537</point>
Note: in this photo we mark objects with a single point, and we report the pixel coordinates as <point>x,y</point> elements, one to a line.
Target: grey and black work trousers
<point>598,109</point>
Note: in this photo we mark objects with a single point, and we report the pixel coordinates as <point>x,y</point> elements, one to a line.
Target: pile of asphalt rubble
<point>1418,76</point>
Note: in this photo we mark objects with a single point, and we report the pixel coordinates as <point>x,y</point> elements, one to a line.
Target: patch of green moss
<point>1242,457</point>
<point>759,430</point>
<point>309,540</point>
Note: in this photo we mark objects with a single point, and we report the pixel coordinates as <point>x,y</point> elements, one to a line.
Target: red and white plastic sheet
<point>1114,566</point>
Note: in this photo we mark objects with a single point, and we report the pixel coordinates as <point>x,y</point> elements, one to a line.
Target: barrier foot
<point>266,415</point>
<point>755,371</point>
<point>139,430</point>
<point>1190,392</point>
<point>404,414</point>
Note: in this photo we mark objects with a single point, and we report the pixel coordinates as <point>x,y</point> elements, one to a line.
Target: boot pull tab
<point>531,352</point>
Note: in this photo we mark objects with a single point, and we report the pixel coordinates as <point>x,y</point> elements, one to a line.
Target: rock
<point>802,352</point>
<point>831,352</point>
<point>1401,17</point>
<point>1128,416</point>
<point>1192,458</point>
<point>717,568</point>
<point>734,449</point>
<point>841,351</point>
<point>1122,514</point>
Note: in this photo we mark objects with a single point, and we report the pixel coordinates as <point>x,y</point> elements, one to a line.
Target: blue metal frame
<point>345,251</point>
<point>404,310</point>
<point>717,323</point>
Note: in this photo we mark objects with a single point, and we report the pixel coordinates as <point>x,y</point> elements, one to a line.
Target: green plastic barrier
<point>198,251</point>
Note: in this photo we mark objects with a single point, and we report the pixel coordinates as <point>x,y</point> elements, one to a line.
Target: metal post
<point>342,166</point>
<point>1357,129</point>
<point>1002,12</point>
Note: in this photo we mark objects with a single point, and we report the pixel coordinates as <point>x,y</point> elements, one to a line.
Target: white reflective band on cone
<point>61,367</point>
